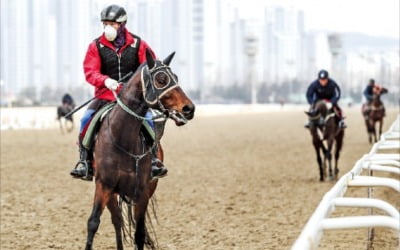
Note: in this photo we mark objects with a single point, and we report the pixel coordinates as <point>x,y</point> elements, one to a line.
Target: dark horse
<point>324,127</point>
<point>66,123</point>
<point>373,113</point>
<point>122,157</point>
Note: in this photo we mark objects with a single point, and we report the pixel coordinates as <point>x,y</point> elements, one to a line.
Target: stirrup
<point>82,165</point>
<point>158,171</point>
<point>342,125</point>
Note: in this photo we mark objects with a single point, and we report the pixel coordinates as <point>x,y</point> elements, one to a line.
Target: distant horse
<point>324,127</point>
<point>66,123</point>
<point>122,156</point>
<point>373,114</point>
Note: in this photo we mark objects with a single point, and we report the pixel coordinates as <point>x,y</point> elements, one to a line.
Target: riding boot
<point>158,170</point>
<point>83,169</point>
<point>311,112</point>
<point>339,114</point>
<point>342,124</point>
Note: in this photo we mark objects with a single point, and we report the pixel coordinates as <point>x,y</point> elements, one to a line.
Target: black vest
<point>117,66</point>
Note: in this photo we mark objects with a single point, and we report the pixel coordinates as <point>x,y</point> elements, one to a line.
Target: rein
<point>134,114</point>
<point>312,118</point>
<point>329,116</point>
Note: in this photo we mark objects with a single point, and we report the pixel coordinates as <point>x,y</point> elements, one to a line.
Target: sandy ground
<point>235,182</point>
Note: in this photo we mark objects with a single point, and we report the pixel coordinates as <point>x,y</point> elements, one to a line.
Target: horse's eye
<point>161,80</point>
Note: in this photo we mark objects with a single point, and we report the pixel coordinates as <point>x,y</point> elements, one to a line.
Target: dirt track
<point>235,182</point>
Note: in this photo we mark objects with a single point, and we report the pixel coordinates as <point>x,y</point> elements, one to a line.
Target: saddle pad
<point>94,122</point>
<point>98,118</point>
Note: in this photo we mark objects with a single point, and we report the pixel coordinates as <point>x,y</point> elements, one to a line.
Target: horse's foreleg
<point>101,198</point>
<point>141,236</point>
<point>116,218</point>
<point>368,130</point>
<point>328,157</point>
<point>380,128</point>
<point>317,145</point>
<point>338,147</point>
<point>61,126</point>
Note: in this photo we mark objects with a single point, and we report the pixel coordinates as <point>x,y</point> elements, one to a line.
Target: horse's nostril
<point>188,109</point>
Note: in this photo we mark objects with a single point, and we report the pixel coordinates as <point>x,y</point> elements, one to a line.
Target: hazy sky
<point>373,17</point>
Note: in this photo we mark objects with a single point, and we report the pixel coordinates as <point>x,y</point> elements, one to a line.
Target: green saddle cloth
<point>88,139</point>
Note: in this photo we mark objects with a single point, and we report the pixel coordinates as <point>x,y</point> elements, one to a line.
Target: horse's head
<point>161,90</point>
<point>321,109</point>
<point>378,91</point>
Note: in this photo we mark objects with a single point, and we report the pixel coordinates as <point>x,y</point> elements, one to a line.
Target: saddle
<point>94,125</point>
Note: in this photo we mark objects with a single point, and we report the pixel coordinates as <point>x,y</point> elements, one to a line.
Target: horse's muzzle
<point>181,118</point>
<point>188,111</point>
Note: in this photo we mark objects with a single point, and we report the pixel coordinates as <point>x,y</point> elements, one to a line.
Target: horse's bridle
<point>153,94</point>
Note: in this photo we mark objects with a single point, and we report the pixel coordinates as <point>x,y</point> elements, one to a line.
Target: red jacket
<point>92,63</point>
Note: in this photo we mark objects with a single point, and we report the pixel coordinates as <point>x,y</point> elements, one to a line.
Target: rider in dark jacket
<point>369,90</point>
<point>67,100</point>
<point>324,88</point>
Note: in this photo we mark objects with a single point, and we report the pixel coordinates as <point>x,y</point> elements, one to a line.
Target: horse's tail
<point>129,224</point>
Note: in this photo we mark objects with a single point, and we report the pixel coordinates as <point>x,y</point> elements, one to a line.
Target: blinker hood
<point>151,93</point>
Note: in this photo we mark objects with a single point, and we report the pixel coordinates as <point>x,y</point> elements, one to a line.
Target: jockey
<point>68,101</point>
<point>324,88</point>
<point>369,92</point>
<point>110,57</point>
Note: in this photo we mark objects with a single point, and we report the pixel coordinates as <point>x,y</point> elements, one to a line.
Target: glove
<point>111,84</point>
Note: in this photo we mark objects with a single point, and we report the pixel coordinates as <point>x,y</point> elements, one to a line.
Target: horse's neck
<point>376,101</point>
<point>125,124</point>
<point>322,109</point>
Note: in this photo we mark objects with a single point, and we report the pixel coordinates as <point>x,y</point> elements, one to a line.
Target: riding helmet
<point>323,74</point>
<point>371,81</point>
<point>114,13</point>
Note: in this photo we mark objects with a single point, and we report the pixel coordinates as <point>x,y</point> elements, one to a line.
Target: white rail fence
<point>375,160</point>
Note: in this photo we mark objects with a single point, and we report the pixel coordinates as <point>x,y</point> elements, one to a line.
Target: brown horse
<point>66,123</point>
<point>373,113</point>
<point>324,127</point>
<point>122,155</point>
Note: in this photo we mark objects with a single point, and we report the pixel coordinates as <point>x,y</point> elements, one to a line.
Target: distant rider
<point>325,88</point>
<point>369,92</point>
<point>67,101</point>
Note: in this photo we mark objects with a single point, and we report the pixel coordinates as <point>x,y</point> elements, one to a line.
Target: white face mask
<point>110,33</point>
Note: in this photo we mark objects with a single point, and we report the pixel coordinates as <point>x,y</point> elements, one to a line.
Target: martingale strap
<point>88,139</point>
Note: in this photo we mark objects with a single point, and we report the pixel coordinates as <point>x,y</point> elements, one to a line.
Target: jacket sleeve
<point>142,52</point>
<point>367,93</point>
<point>310,94</point>
<point>92,67</point>
<point>337,94</point>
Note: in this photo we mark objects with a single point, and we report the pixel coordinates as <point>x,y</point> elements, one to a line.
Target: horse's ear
<point>168,60</point>
<point>150,59</point>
